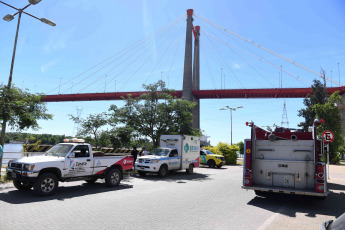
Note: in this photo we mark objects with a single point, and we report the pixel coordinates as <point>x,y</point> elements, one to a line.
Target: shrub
<point>213,149</point>
<point>229,151</point>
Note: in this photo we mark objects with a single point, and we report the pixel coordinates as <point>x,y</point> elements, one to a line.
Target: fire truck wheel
<point>91,181</point>
<point>113,177</point>
<point>46,184</point>
<point>211,163</point>
<point>163,171</point>
<point>190,169</point>
<point>142,173</point>
<point>22,185</point>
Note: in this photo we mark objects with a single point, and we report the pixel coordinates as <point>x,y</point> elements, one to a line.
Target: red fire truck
<point>284,161</point>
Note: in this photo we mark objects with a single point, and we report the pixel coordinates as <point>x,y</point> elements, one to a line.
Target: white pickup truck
<point>69,161</point>
<point>176,152</point>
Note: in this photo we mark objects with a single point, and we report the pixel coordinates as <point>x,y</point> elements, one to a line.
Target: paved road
<point>208,199</point>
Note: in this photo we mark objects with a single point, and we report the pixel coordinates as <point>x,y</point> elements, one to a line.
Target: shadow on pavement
<point>289,205</point>
<point>333,186</point>
<point>62,193</point>
<point>178,177</point>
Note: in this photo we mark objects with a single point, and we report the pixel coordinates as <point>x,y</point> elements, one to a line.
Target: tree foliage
<point>330,113</point>
<point>21,109</point>
<point>320,105</point>
<point>156,113</point>
<point>91,125</point>
<point>318,96</point>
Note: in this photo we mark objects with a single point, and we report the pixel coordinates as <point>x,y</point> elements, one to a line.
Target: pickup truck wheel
<point>190,169</point>
<point>22,185</point>
<point>113,178</point>
<point>142,173</point>
<point>163,171</point>
<point>46,184</point>
<point>211,163</point>
<point>91,181</point>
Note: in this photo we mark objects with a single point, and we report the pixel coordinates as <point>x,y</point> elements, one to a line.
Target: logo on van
<point>186,148</point>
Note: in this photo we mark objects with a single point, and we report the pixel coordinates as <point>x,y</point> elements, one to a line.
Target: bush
<point>229,151</point>
<point>213,149</point>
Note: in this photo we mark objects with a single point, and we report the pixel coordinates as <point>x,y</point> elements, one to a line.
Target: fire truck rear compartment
<point>286,164</point>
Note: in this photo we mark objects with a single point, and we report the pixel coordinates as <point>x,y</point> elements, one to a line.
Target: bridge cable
<point>222,59</point>
<point>132,46</point>
<point>148,47</point>
<point>260,58</point>
<point>268,50</point>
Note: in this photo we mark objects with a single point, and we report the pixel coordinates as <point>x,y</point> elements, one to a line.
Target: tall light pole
<point>10,17</point>
<point>231,109</point>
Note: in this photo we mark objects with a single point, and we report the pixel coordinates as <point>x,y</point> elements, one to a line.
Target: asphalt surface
<point>207,199</point>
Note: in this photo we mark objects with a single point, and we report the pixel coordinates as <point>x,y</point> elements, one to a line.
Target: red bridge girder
<point>201,94</point>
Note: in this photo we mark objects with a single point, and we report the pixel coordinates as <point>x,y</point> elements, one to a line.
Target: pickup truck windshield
<point>160,152</point>
<point>59,150</point>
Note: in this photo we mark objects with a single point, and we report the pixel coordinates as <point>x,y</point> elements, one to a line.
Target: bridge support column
<point>187,74</point>
<point>196,78</point>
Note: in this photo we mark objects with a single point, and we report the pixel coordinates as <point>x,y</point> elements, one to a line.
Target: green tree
<point>318,96</point>
<point>156,113</point>
<point>91,125</point>
<point>241,147</point>
<point>20,110</point>
<point>330,113</point>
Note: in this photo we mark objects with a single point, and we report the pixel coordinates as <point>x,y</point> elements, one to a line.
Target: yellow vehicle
<point>211,159</point>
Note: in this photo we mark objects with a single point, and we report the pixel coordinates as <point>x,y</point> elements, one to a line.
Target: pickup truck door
<point>81,164</point>
<point>174,160</point>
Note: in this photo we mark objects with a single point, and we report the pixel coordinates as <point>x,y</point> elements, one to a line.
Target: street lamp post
<point>231,109</point>
<point>10,17</point>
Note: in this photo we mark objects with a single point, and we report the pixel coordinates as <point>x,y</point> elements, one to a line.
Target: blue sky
<point>57,59</point>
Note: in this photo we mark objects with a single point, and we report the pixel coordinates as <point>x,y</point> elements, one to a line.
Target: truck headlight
<point>28,167</point>
<point>218,158</point>
<point>154,161</point>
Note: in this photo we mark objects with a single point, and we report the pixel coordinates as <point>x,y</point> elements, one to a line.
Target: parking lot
<point>207,199</point>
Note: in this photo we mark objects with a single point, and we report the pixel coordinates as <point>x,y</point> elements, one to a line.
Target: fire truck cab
<point>284,161</point>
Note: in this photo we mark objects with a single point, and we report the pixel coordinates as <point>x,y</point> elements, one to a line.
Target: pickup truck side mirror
<point>71,155</point>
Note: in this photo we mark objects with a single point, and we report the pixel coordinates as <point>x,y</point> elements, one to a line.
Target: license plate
<point>14,175</point>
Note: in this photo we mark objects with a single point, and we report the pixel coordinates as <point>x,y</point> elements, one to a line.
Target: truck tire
<point>113,177</point>
<point>46,184</point>
<point>92,180</point>
<point>190,169</point>
<point>211,163</point>
<point>22,185</point>
<point>163,171</point>
<point>142,173</point>
<point>219,166</point>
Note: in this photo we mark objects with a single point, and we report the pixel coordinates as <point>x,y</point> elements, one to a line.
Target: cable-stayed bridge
<point>133,66</point>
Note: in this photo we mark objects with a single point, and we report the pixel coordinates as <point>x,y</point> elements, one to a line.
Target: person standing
<point>144,152</point>
<point>134,153</point>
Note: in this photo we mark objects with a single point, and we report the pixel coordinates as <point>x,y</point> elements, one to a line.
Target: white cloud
<point>236,66</point>
<point>48,65</point>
